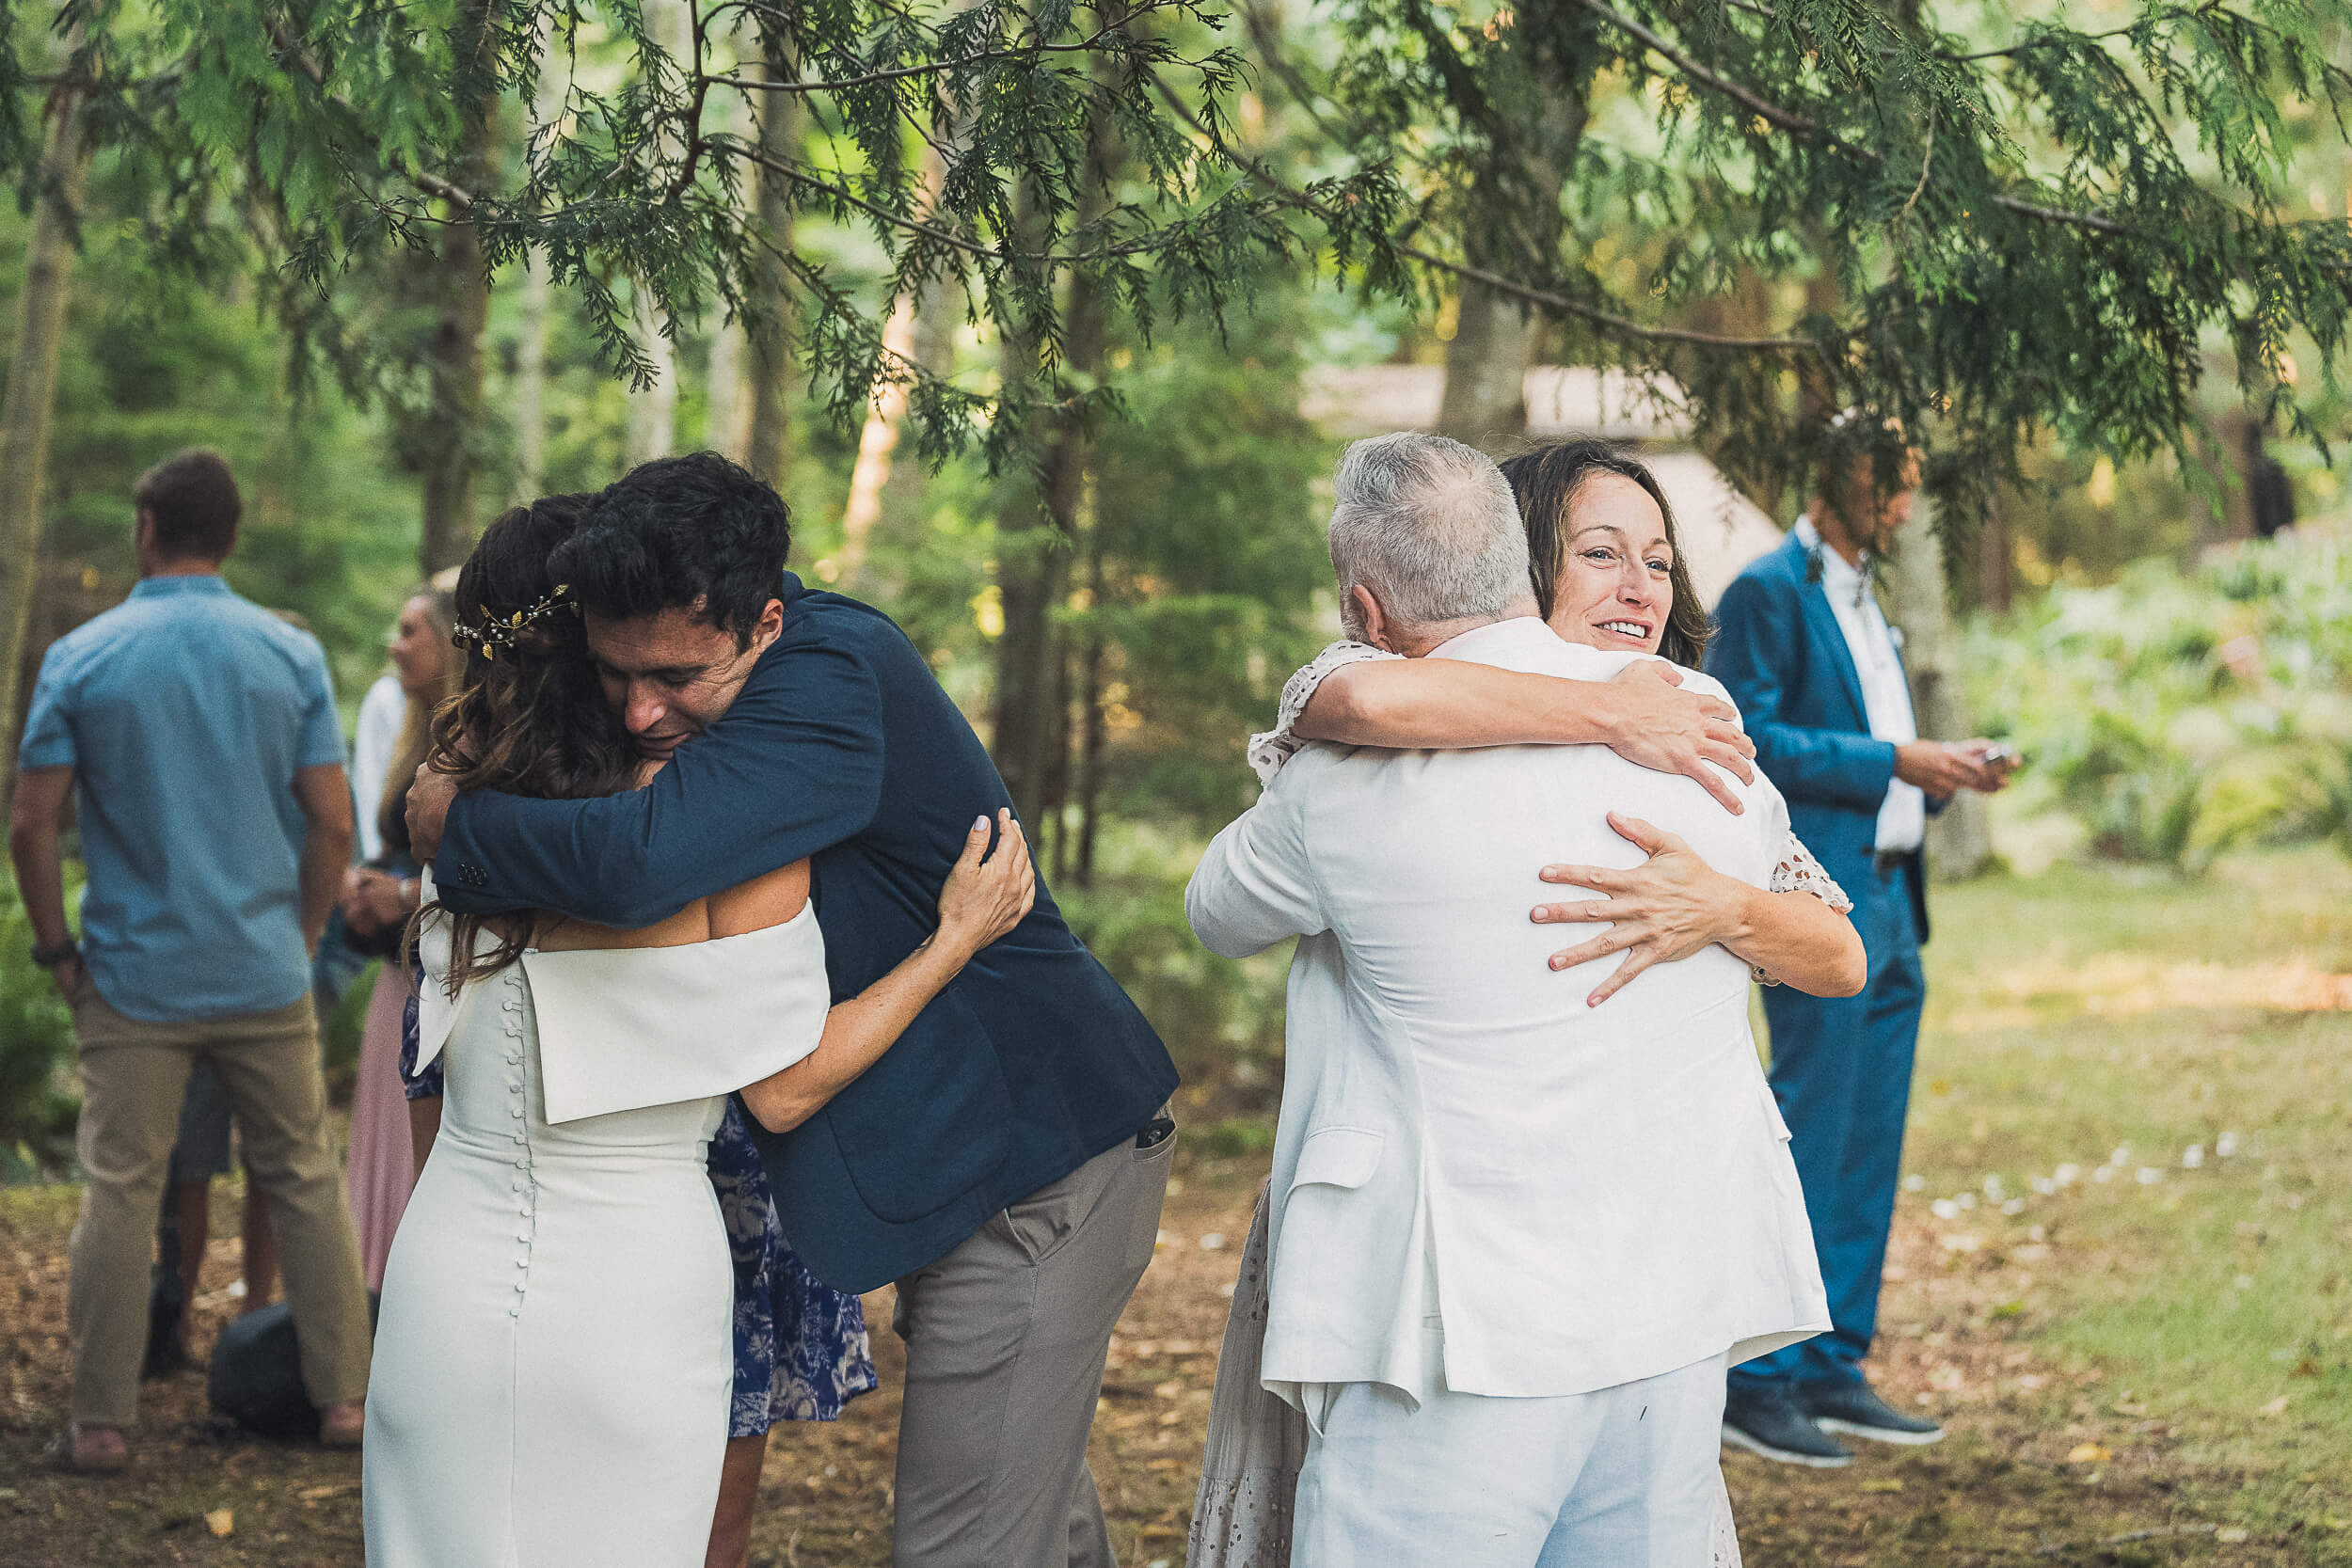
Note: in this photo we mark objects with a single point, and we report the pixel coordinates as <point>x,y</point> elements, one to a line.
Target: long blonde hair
<point>416,722</point>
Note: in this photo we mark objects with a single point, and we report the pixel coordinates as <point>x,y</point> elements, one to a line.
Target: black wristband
<point>50,958</point>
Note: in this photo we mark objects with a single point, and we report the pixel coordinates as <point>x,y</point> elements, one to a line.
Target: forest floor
<point>2122,1275</point>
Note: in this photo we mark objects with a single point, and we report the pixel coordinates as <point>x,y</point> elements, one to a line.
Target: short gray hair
<point>1429,525</point>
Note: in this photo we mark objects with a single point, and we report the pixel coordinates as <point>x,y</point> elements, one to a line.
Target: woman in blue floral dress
<point>800,1350</point>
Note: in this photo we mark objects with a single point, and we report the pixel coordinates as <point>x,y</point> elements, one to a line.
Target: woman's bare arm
<point>1675,904</point>
<point>1448,704</point>
<point>983,899</point>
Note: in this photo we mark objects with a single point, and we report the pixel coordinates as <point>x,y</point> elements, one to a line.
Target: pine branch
<point>1791,121</point>
<point>1549,299</point>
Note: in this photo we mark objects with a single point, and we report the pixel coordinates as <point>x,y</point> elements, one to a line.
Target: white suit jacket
<point>1481,1184</point>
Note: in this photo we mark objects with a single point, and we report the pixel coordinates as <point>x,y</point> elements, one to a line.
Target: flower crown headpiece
<point>494,634</point>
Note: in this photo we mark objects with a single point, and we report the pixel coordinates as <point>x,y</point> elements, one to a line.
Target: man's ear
<point>770,626</point>
<point>1374,621</point>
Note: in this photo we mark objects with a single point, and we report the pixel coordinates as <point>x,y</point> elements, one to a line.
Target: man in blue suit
<point>1803,649</point>
<point>1005,1162</point>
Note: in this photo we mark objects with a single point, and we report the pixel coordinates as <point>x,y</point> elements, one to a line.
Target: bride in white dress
<point>553,1360</point>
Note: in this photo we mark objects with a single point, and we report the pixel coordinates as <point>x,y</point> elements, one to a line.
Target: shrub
<point>2177,715</point>
<point>38,1104</point>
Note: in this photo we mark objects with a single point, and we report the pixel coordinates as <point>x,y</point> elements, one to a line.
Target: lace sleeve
<point>1798,872</point>
<point>1268,752</point>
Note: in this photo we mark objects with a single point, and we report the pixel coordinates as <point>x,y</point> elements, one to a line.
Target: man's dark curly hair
<point>695,532</point>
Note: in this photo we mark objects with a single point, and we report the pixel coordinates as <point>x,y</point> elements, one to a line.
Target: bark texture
<point>449,448</point>
<point>768,443</point>
<point>31,397</point>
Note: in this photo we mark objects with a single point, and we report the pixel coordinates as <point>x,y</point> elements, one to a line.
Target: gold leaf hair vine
<point>495,633</point>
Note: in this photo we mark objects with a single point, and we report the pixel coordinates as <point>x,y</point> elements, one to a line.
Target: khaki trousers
<point>1006,1339</point>
<point>134,1076</point>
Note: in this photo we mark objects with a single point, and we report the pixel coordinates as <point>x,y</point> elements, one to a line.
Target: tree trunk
<point>1485,371</point>
<point>1091,730</point>
<point>653,411</point>
<point>31,396</point>
<point>530,354</point>
<point>1957,845</point>
<point>767,449</point>
<point>1997,556</point>
<point>531,385</point>
<point>725,427</point>
<point>1034,539</point>
<point>726,410</point>
<point>452,454</point>
<point>876,443</point>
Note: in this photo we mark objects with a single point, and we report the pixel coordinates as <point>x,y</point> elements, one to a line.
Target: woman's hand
<point>1669,730</point>
<point>984,898</point>
<point>1666,909</point>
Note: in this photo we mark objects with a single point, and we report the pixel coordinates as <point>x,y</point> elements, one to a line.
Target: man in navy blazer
<point>1803,649</point>
<point>1005,1162</point>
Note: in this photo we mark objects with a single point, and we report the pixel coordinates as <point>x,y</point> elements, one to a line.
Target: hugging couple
<point>712,850</point>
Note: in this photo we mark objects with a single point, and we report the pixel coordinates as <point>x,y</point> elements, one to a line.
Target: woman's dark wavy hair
<point>529,719</point>
<point>1545,481</point>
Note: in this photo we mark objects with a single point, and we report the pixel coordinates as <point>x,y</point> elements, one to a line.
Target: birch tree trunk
<point>31,397</point>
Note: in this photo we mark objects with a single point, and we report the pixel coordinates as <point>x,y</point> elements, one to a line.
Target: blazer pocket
<point>1338,1157</point>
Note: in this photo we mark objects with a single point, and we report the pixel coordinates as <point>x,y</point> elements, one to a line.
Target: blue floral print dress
<point>801,1350</point>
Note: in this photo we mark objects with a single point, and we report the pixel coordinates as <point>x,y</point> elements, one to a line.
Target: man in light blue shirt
<point>197,736</point>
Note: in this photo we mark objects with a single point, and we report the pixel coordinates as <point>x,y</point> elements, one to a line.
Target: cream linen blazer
<point>1480,1182</point>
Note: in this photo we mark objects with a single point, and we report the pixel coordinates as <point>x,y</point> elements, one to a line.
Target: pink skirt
<point>383,1161</point>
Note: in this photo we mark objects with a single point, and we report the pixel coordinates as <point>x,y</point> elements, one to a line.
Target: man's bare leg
<point>738,1495</point>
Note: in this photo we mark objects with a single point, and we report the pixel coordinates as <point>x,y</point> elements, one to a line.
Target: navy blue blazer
<point>1778,650</point>
<point>841,749</point>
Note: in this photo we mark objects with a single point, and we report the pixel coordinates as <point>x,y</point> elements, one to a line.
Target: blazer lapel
<point>1829,635</point>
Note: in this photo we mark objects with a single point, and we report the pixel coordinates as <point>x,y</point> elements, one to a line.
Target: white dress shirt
<point>1481,1184</point>
<point>1885,694</point>
<point>381,713</point>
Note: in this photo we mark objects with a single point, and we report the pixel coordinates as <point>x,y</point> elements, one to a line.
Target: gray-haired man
<point>1512,1237</point>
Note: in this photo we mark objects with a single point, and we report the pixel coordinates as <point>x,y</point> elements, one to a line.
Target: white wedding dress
<point>553,1360</point>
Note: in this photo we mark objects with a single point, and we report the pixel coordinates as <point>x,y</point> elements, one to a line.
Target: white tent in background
<point>1721,530</point>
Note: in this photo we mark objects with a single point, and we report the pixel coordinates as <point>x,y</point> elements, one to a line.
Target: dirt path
<point>2032,1472</point>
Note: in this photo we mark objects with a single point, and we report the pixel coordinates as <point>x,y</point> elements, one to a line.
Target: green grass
<point>2085,1011</point>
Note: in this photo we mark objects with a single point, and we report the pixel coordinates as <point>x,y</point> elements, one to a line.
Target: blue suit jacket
<point>843,750</point>
<point>1778,650</point>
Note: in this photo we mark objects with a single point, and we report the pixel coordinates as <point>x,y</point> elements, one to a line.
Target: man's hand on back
<point>429,799</point>
<point>1662,727</point>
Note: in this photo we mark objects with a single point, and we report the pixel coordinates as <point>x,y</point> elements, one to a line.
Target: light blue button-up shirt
<point>186,712</point>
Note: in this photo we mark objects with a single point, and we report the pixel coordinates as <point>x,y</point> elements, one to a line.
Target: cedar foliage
<point>2045,230</point>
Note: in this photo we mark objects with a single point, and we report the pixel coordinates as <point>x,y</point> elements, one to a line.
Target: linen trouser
<point>1620,1478</point>
<point>134,1077</point>
<point>1841,1070</point>
<point>1006,1339</point>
